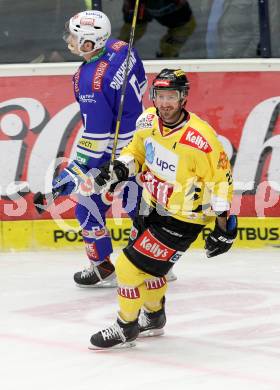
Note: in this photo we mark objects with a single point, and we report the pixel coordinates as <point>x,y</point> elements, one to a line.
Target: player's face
<point>169,105</point>
<point>72,44</point>
<point>70,39</point>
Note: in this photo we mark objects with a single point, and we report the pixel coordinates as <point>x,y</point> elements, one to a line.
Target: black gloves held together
<point>120,173</point>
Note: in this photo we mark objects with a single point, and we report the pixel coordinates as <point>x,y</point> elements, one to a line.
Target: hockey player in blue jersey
<point>97,88</point>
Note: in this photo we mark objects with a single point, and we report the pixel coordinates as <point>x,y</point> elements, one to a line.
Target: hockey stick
<point>120,110</point>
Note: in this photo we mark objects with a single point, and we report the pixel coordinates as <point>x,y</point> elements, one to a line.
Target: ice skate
<point>152,323</point>
<point>101,275</point>
<point>119,335</point>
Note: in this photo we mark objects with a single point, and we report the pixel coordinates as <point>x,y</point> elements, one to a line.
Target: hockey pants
<point>137,289</point>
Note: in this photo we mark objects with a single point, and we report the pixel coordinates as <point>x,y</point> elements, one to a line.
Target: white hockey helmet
<point>91,26</point>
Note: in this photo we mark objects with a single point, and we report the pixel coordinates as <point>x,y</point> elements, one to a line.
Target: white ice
<point>223,329</point>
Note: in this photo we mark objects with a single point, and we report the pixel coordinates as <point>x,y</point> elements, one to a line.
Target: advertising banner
<point>40,122</point>
<point>51,234</point>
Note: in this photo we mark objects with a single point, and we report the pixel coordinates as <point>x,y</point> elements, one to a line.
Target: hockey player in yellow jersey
<point>187,183</point>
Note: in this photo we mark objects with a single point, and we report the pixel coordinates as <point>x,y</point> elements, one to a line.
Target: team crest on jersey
<point>98,75</point>
<point>223,162</point>
<point>116,46</point>
<point>146,122</point>
<point>194,139</point>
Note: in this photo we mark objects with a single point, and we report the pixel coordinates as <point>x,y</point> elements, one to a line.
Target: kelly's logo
<point>148,245</point>
<point>193,138</point>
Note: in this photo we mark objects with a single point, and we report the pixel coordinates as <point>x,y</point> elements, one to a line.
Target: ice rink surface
<point>223,329</point>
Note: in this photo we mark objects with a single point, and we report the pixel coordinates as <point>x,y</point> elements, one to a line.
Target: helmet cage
<point>66,32</point>
<point>183,91</point>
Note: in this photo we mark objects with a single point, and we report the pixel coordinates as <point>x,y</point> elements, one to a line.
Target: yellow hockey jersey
<point>184,169</point>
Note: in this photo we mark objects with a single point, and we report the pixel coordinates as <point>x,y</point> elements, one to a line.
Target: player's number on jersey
<point>136,88</point>
<point>85,120</point>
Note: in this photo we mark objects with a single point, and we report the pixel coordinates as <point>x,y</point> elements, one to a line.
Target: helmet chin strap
<point>82,53</point>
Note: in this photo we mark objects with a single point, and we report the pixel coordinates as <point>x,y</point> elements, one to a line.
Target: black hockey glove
<point>219,241</point>
<point>120,173</point>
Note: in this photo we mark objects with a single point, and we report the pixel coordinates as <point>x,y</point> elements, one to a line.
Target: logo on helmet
<point>87,22</point>
<point>162,83</point>
<point>179,73</point>
<point>93,26</point>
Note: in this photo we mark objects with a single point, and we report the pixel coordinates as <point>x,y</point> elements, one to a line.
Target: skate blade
<point>151,333</point>
<point>110,282</point>
<point>126,345</point>
<point>98,285</point>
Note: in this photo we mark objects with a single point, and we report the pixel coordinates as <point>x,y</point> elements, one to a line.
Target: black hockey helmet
<point>173,79</point>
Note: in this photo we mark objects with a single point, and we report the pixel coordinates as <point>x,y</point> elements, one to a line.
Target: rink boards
<point>56,235</point>
<point>240,98</point>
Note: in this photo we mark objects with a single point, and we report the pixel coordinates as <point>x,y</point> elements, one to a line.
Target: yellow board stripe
<point>65,234</point>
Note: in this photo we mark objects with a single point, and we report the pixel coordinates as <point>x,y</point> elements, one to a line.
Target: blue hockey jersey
<point>97,88</point>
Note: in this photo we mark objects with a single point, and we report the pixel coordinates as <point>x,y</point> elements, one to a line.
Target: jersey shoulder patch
<point>117,45</point>
<point>146,120</point>
<point>195,139</point>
